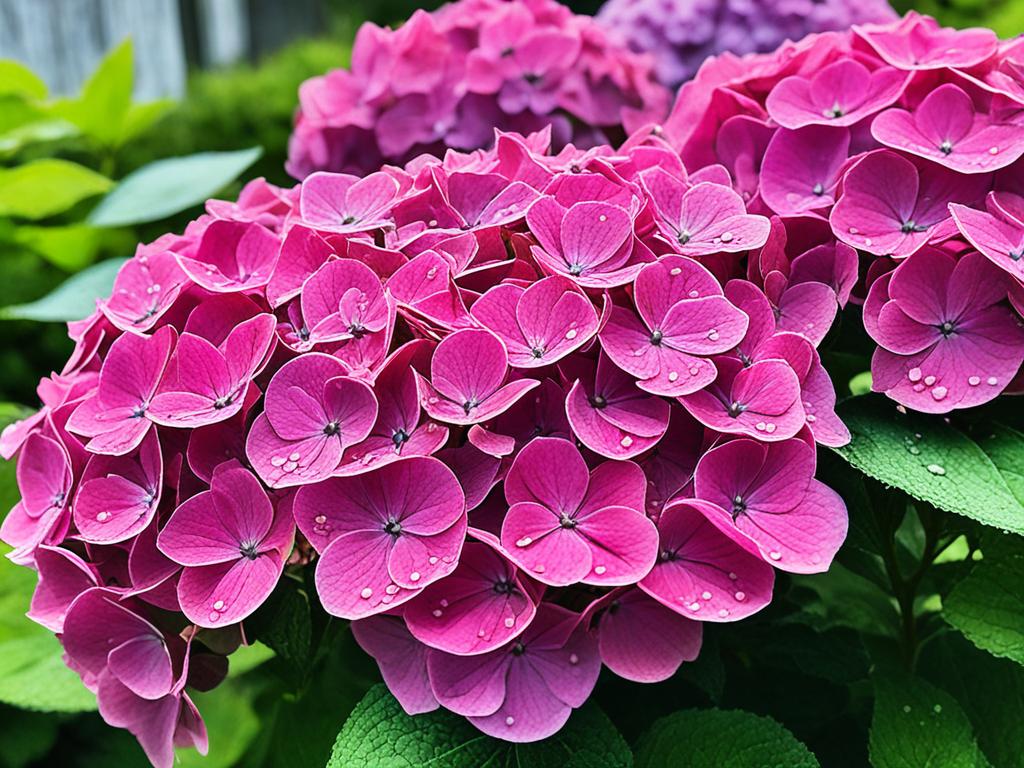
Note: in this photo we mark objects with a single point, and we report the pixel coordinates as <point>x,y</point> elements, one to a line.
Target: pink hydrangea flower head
<point>947,337</point>
<point>383,536</point>
<point>541,324</point>
<point>610,415</point>
<point>684,318</point>
<point>947,129</point>
<point>116,418</point>
<point>481,606</point>
<point>525,690</point>
<point>764,496</point>
<point>702,572</point>
<point>566,524</point>
<point>467,379</point>
<point>207,383</point>
<point>997,232</point>
<point>840,94</point>
<point>918,42</point>
<point>118,495</point>
<point>313,412</point>
<point>233,544</point>
<point>704,218</point>
<point>889,206</point>
<point>639,639</point>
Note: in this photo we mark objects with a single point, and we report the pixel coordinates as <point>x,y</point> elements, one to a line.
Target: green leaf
<point>71,248</point>
<point>990,691</point>
<point>916,725</point>
<point>166,187</point>
<point>714,738</point>
<point>32,671</point>
<point>141,117</point>
<point>378,734</point>
<point>929,460</point>
<point>283,623</point>
<point>47,187</point>
<point>100,110</point>
<point>18,79</point>
<point>1005,447</point>
<point>35,132</point>
<point>231,722</point>
<point>988,605</point>
<point>74,299</point>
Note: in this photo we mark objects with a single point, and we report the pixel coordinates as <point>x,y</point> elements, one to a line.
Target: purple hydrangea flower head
<point>681,34</point>
<point>447,79</point>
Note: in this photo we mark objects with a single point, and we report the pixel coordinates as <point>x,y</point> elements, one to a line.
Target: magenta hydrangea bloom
<point>997,232</point>
<point>449,78</point>
<point>383,536</point>
<point>525,690</point>
<point>232,542</point>
<point>681,34</point>
<point>947,337</point>
<point>575,525</point>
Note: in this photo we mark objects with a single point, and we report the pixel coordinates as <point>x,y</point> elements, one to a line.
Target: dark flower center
<point>249,551</point>
<point>656,338</point>
<point>393,527</point>
<point>947,329</point>
<point>739,506</point>
<point>912,226</point>
<point>735,409</point>
<point>518,649</point>
<point>223,402</point>
<point>684,238</point>
<point>399,437</point>
<point>819,189</point>
<point>470,404</point>
<point>332,428</point>
<point>566,522</point>
<point>946,147</point>
<point>349,220</point>
<point>537,352</point>
<point>503,587</point>
<point>139,411</point>
<point>597,401</point>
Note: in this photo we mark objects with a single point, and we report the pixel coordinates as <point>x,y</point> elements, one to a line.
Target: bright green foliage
<point>916,725</point>
<point>166,187</point>
<point>929,460</point>
<point>72,300</point>
<point>378,734</point>
<point>988,605</point>
<point>43,188</point>
<point>714,738</point>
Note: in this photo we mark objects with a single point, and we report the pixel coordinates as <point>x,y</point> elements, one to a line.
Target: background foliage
<point>907,653</point>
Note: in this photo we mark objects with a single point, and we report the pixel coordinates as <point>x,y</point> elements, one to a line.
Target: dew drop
<point>974,381</point>
<point>366,593</point>
<point>906,709</point>
<point>524,542</point>
<point>626,441</point>
<point>694,370</point>
<point>760,426</point>
<point>706,595</point>
<point>732,576</point>
<point>481,633</point>
<point>432,560</point>
<point>740,596</point>
<point>853,230</point>
<point>438,613</point>
<point>723,613</point>
<point>929,380</point>
<point>675,271</point>
<point>713,334</point>
<point>539,568</point>
<point>775,555</point>
<point>769,428</point>
<point>673,375</point>
<point>510,622</point>
<point>391,589</point>
<point>991,381</point>
<point>219,605</point>
<point>443,603</point>
<point>294,456</point>
<point>277,461</point>
<point>290,466</point>
<point>919,387</point>
<point>320,519</point>
<point>574,659</point>
<point>571,334</point>
<point>511,720</point>
<point>937,709</point>
<point>414,576</point>
<point>939,393</point>
<point>600,570</point>
<point>811,418</point>
<point>694,293</point>
<point>936,469</point>
<point>103,516</point>
<point>993,150</point>
<point>914,374</point>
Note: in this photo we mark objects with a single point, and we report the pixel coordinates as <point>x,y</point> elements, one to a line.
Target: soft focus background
<point>118,86</point>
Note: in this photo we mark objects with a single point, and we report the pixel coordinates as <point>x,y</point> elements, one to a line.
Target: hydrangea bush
<point>447,79</point>
<point>526,413</point>
<point>681,34</point>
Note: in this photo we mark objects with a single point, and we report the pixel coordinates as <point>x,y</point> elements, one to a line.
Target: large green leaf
<point>283,623</point>
<point>929,460</point>
<point>47,187</point>
<point>988,605</point>
<point>916,725</point>
<point>72,247</point>
<point>100,110</point>
<point>990,691</point>
<point>714,738</point>
<point>73,299</point>
<point>18,79</point>
<point>166,187</point>
<point>378,734</point>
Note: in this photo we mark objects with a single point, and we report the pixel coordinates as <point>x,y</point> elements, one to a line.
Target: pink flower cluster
<point>902,141</point>
<point>447,79</point>
<point>528,415</point>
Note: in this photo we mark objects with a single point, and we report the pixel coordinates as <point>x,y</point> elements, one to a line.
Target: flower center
<point>946,147</point>
<point>332,428</point>
<point>819,189</point>
<point>597,401</point>
<point>399,437</point>
<point>248,550</point>
<point>736,408</point>
<point>393,527</point>
<point>739,506</point>
<point>656,338</point>
<point>566,522</point>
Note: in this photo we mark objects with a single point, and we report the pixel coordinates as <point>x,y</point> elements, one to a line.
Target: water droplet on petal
<point>524,542</point>
<point>571,334</point>
<point>673,375</point>
<point>723,613</point>
<point>675,271</point>
<point>769,427</point>
<point>706,595</point>
<point>694,293</point>
<point>626,441</point>
<point>414,576</point>
<point>432,560</point>
<point>732,576</point>
<point>320,519</point>
<point>277,461</point>
<point>510,622</point>
<point>219,605</point>
<point>713,334</point>
<point>936,469</point>
<point>103,516</point>
<point>391,589</point>
<point>366,593</point>
<point>694,606</point>
<point>914,374</point>
<point>929,380</point>
<point>939,392</point>
<point>775,555</point>
<point>727,237</point>
<point>511,720</point>
<point>437,612</point>
<point>974,381</point>
<point>991,381</point>
<point>937,709</point>
<point>993,150</point>
<point>294,456</point>
<point>574,659</point>
<point>599,570</point>
<point>740,596</point>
